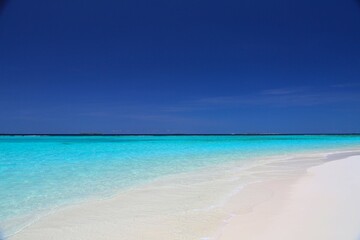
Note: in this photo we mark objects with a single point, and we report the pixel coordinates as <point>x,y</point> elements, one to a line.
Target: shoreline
<point>321,205</point>
<point>64,220</point>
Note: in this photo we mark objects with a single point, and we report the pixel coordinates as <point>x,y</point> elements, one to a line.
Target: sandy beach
<point>323,204</point>
<point>320,204</point>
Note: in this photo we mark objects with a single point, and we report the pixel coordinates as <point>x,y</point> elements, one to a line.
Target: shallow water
<point>40,173</point>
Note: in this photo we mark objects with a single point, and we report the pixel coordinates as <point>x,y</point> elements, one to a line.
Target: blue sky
<point>136,66</point>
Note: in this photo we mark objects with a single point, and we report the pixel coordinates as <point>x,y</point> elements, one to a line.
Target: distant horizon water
<point>177,134</point>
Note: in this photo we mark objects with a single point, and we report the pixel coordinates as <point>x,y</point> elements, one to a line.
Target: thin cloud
<point>171,111</point>
<point>281,91</point>
<point>272,99</point>
<point>345,85</point>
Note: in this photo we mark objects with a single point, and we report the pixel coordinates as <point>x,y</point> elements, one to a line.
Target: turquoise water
<point>38,173</point>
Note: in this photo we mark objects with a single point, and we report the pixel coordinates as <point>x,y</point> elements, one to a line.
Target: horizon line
<point>170,134</point>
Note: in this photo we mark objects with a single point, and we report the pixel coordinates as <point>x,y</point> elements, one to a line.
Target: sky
<point>189,66</point>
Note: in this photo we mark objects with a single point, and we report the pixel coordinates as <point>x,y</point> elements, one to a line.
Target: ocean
<point>39,174</point>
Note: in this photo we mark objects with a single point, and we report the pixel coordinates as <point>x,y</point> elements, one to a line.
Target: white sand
<point>323,205</point>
